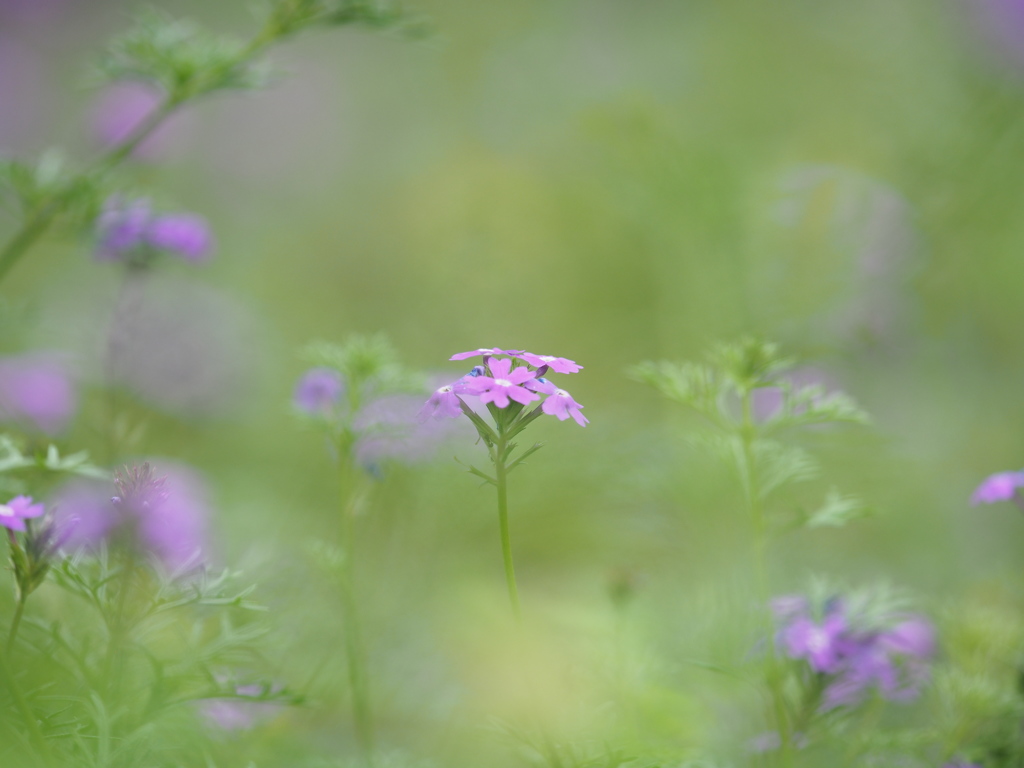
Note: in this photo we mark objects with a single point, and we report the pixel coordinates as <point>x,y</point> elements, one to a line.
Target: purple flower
<point>503,384</point>
<point>318,391</point>
<point>36,393</point>
<point>820,644</point>
<point>121,228</point>
<point>127,229</point>
<point>912,637</point>
<point>485,352</point>
<point>562,406</point>
<point>998,487</point>
<point>556,364</point>
<point>183,233</point>
<point>444,403</point>
<point>164,514</point>
<point>894,659</point>
<point>14,513</point>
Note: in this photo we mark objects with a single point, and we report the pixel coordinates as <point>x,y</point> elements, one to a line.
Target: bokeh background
<point>608,181</point>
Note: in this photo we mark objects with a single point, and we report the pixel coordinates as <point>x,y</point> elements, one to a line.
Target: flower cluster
<point>129,230</point>
<point>503,380</point>
<point>854,654</point>
<point>164,515</point>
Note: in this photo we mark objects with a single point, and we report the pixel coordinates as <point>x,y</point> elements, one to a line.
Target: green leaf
<point>181,58</point>
<point>837,511</point>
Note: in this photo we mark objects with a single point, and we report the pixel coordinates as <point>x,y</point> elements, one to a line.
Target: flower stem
<point>19,609</point>
<point>31,723</point>
<point>755,509</point>
<point>501,478</point>
<point>362,713</point>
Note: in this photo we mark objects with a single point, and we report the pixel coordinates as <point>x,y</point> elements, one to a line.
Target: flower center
<point>6,511</point>
<point>503,383</point>
<point>445,389</point>
<point>817,640</point>
<point>561,393</point>
<point>547,358</point>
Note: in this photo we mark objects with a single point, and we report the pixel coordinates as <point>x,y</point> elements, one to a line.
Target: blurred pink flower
<point>36,393</point>
<point>162,509</point>
<point>122,108</point>
<point>14,513</point>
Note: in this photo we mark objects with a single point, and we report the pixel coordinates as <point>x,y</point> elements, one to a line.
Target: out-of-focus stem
<point>358,678</point>
<point>755,509</point>
<point>19,609</point>
<point>31,724</point>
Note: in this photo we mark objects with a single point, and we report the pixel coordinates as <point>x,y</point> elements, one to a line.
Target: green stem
<point>501,478</point>
<point>31,723</point>
<point>19,609</point>
<point>358,678</point>
<point>755,508</point>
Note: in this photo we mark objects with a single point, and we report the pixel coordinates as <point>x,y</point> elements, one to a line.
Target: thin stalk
<point>19,609</point>
<point>358,678</point>
<point>31,724</point>
<point>501,478</point>
<point>755,509</point>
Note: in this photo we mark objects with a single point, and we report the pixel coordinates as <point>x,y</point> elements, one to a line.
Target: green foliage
<point>128,660</point>
<point>50,183</point>
<point>369,367</point>
<point>290,16</point>
<point>13,459</point>
<point>184,60</point>
<point>722,391</point>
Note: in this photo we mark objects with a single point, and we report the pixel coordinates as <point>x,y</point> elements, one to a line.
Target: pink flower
<point>504,384</point>
<point>561,405</point>
<point>485,352</point>
<point>14,513</point>
<point>999,487</point>
<point>443,403</point>
<point>37,393</point>
<point>820,644</point>
<point>556,364</point>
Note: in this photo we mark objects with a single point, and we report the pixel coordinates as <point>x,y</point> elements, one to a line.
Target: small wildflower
<point>128,230</point>
<point>562,406</point>
<point>185,234</point>
<point>121,228</point>
<point>485,352</point>
<point>14,513</point>
<point>504,384</point>
<point>556,364</point>
<point>1001,486</point>
<point>165,515</point>
<point>318,391</point>
<point>818,643</point>
<point>855,658</point>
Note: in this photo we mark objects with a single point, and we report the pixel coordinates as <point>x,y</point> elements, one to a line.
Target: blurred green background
<point>611,182</point>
